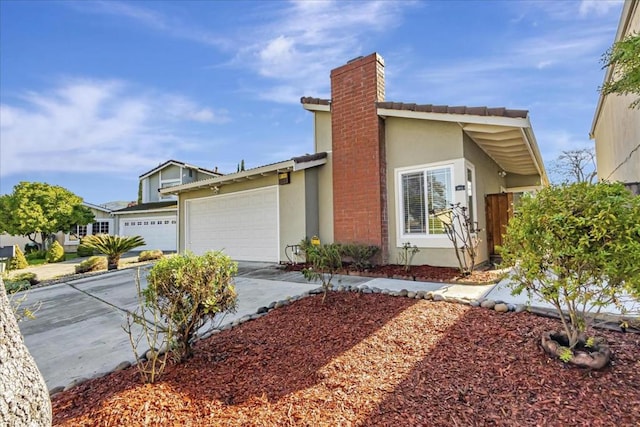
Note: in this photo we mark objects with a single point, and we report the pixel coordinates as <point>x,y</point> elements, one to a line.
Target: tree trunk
<point>24,398</point>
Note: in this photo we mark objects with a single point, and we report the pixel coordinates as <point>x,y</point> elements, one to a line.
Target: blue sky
<point>95,93</point>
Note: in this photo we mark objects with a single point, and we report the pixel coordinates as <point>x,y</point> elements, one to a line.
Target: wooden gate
<point>498,208</point>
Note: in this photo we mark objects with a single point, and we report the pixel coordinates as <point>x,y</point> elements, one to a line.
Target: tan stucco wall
<point>617,131</point>
<point>413,143</point>
<point>291,207</point>
<point>322,130</point>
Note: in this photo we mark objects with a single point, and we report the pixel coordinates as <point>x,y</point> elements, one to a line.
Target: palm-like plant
<point>113,246</point>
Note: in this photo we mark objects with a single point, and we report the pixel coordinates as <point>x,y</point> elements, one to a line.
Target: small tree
<point>189,290</point>
<point>463,233</point>
<point>324,261</point>
<point>113,246</point>
<point>576,247</point>
<point>36,209</point>
<point>407,252</point>
<point>576,165</point>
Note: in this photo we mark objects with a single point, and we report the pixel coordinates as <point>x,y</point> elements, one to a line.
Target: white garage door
<point>158,233</point>
<point>243,224</point>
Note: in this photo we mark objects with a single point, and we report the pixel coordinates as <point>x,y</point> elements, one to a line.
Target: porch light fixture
<point>502,173</point>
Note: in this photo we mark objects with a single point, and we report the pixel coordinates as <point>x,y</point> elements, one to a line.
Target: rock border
<point>495,305</point>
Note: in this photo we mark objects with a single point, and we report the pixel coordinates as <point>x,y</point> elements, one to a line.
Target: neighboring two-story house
<point>616,127</point>
<point>155,218</point>
<point>377,170</point>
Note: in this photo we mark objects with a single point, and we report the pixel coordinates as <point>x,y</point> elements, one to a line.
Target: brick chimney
<point>359,163</point>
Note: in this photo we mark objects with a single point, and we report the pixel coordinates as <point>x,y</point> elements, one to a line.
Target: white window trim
<point>426,240</point>
<point>67,237</point>
<point>174,181</point>
<point>469,165</point>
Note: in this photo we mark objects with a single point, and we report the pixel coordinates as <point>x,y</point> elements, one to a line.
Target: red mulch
<point>370,359</point>
<point>423,273</point>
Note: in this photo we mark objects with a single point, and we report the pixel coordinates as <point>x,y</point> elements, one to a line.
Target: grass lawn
<point>370,360</point>
<point>40,261</point>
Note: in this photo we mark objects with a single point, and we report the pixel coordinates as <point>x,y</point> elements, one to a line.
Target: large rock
<point>488,303</point>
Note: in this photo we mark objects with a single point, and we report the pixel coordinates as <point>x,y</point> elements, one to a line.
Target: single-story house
<point>377,169</point>
<point>616,127</point>
<point>103,223</point>
<point>155,218</point>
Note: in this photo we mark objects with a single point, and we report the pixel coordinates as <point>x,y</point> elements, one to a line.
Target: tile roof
<point>476,111</point>
<point>429,108</point>
<point>317,101</point>
<point>149,206</point>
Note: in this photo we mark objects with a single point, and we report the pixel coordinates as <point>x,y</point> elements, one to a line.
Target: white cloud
<point>306,39</point>
<point>154,20</point>
<point>96,126</point>
<point>598,7</point>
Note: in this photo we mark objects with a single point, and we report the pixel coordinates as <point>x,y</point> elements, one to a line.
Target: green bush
<point>113,246</point>
<point>188,290</point>
<point>84,250</point>
<point>18,262</point>
<point>360,255</point>
<point>30,247</point>
<point>55,252</point>
<point>94,263</point>
<point>576,247</point>
<point>32,278</point>
<point>36,254</point>
<point>13,285</point>
<point>150,255</point>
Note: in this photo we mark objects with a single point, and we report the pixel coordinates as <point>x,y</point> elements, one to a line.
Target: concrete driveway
<point>77,333</point>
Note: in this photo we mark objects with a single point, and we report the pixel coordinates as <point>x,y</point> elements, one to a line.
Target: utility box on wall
<point>284,178</point>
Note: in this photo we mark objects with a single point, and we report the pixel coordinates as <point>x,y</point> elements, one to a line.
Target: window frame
<point>426,239</point>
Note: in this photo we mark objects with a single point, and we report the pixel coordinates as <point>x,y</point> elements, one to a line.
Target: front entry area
<point>244,225</point>
<point>499,209</point>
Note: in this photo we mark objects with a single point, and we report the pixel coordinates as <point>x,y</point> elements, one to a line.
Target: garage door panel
<point>244,225</point>
<point>158,233</point>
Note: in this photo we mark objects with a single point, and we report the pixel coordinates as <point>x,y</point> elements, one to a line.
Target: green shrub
<point>324,261</point>
<point>35,254</point>
<point>113,246</point>
<point>13,285</point>
<point>576,247</point>
<point>188,290</point>
<point>84,250</point>
<point>94,263</point>
<point>30,277</point>
<point>359,254</point>
<point>30,247</point>
<point>150,255</point>
<point>55,252</point>
<point>18,262</point>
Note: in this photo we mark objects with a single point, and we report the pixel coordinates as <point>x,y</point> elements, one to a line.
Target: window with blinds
<point>422,192</point>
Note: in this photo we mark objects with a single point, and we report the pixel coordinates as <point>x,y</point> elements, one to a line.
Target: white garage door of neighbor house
<point>243,224</point>
<point>158,233</point>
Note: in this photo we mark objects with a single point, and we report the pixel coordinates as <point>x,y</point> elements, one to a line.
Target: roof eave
<point>457,118</point>
<point>317,107</point>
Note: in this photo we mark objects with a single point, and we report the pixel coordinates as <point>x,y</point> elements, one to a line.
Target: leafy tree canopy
<point>39,208</point>
<point>624,57</point>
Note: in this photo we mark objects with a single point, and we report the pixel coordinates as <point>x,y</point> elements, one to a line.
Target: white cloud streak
<point>96,126</point>
<point>308,38</point>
